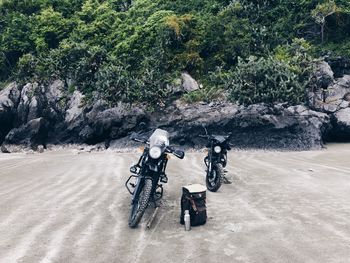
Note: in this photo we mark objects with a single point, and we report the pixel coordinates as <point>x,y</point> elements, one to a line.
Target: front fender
<point>153,167</point>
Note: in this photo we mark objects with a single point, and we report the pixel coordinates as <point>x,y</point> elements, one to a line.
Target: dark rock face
<point>9,99</point>
<point>341,125</point>
<point>334,98</point>
<point>31,134</point>
<point>35,115</point>
<point>340,66</point>
<point>28,108</point>
<point>324,75</point>
<point>256,126</point>
<point>117,122</point>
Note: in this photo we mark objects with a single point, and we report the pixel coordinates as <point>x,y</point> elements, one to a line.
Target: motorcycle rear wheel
<point>139,206</point>
<point>214,180</point>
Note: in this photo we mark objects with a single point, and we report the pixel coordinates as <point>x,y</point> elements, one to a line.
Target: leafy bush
<point>282,76</point>
<point>26,68</point>
<point>264,80</point>
<point>205,94</point>
<point>129,50</point>
<point>118,82</point>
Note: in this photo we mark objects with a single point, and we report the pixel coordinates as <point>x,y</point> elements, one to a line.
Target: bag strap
<point>193,204</point>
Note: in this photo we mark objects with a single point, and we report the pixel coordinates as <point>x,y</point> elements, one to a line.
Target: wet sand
<point>281,207</point>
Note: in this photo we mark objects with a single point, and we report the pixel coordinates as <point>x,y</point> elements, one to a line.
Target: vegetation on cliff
<point>132,50</point>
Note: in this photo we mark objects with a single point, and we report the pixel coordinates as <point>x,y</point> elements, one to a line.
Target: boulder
<point>332,98</point>
<point>341,125</point>
<point>336,95</point>
<point>9,99</point>
<point>324,75</point>
<point>30,135</point>
<point>75,108</point>
<point>28,108</point>
<point>116,122</point>
<point>55,92</point>
<point>54,99</point>
<point>188,83</point>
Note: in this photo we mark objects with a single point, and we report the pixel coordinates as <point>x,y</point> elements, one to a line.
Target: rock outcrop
<point>31,135</point>
<point>9,99</point>
<point>341,125</point>
<point>256,126</point>
<point>331,95</point>
<point>34,115</point>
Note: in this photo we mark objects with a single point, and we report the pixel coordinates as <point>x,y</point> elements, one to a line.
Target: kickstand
<point>150,221</point>
<point>225,180</point>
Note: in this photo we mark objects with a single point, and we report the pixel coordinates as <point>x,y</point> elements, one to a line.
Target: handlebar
<point>169,149</point>
<point>178,153</point>
<point>211,136</point>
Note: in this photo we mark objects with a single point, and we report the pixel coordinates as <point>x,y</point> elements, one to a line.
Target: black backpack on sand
<point>194,199</point>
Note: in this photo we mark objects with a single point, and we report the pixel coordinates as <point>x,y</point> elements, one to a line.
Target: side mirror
<point>179,154</point>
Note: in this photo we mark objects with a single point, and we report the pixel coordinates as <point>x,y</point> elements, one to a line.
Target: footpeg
<point>163,178</point>
<point>158,193</point>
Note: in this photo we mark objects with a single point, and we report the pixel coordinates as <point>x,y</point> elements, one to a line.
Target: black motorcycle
<point>148,172</point>
<point>216,160</point>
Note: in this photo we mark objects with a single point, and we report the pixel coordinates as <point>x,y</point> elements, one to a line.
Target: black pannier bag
<point>194,199</point>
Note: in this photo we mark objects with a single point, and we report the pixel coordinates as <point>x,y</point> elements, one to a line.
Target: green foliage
<point>323,10</point>
<point>117,83</point>
<point>74,63</point>
<point>229,33</point>
<point>280,77</point>
<point>50,28</point>
<point>205,94</point>
<point>131,49</point>
<point>336,49</point>
<point>3,85</point>
<point>26,68</point>
<point>265,80</point>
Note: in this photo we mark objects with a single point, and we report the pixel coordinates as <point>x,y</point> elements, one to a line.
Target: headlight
<point>155,152</point>
<point>217,149</point>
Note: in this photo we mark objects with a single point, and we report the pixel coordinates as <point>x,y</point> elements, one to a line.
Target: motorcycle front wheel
<point>139,206</point>
<point>213,179</point>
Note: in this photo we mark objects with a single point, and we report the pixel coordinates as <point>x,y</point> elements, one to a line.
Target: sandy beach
<point>281,207</point>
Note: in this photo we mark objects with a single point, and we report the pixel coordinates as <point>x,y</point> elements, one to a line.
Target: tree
<point>48,29</point>
<point>321,12</point>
